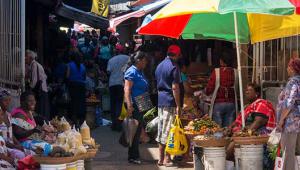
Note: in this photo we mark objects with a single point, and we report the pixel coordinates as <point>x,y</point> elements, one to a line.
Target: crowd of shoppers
<point>132,74</point>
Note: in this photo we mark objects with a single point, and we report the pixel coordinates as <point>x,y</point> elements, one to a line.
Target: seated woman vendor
<point>259,116</point>
<point>24,125</point>
<point>10,149</point>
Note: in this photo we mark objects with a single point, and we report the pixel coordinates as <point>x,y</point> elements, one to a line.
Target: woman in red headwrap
<point>288,114</point>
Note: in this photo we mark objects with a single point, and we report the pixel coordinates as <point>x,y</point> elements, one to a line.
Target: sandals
<point>159,163</point>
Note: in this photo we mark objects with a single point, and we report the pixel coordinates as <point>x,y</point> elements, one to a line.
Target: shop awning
<point>82,16</point>
<point>113,23</point>
<point>141,2</point>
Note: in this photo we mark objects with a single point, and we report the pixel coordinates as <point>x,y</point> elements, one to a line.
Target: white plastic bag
<point>274,138</point>
<point>130,126</point>
<point>152,126</point>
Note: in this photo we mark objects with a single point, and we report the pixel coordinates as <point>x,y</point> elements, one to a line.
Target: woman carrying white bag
<point>288,114</point>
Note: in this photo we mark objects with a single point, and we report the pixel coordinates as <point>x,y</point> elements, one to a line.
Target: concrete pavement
<point>112,156</point>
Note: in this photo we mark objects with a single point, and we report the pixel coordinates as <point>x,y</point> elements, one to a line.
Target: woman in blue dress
<point>135,85</point>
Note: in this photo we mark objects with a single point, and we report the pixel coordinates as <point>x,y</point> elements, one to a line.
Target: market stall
<point>92,104</point>
<point>70,146</point>
<point>209,141</point>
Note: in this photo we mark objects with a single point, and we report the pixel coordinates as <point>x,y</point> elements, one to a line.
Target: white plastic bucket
<point>72,166</point>
<point>214,158</point>
<point>53,167</point>
<point>251,157</point>
<point>80,165</point>
<point>237,156</point>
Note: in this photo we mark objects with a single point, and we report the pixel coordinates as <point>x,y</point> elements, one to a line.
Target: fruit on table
<point>92,99</point>
<point>202,126</point>
<point>245,133</point>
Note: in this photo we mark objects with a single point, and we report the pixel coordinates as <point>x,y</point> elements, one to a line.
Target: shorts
<point>166,116</point>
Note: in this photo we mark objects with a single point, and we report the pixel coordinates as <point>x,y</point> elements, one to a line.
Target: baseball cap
<point>175,49</point>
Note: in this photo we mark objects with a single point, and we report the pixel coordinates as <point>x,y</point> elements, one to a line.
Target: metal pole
<point>239,67</point>
<point>23,43</point>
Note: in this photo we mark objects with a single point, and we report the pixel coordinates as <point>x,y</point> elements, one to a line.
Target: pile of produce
<point>245,133</point>
<point>49,133</point>
<point>60,152</point>
<point>202,126</point>
<point>61,125</point>
<point>249,137</point>
<point>67,141</point>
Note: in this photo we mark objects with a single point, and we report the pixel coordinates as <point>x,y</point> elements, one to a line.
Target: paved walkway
<point>113,156</point>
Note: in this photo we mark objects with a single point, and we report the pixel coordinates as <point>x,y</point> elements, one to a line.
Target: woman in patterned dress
<point>14,149</point>
<point>288,114</point>
<point>24,125</point>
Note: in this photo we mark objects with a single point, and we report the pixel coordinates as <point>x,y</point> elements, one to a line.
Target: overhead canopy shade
<point>82,17</point>
<point>267,27</point>
<point>139,13</point>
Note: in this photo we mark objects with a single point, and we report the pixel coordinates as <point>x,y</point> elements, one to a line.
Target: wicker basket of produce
<point>53,160</point>
<point>210,142</point>
<point>91,153</point>
<point>251,140</point>
<point>191,135</point>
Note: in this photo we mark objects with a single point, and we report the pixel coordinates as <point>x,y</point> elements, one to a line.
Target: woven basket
<point>91,153</point>
<point>191,136</point>
<point>81,156</point>
<point>212,142</point>
<point>53,160</point>
<point>253,140</point>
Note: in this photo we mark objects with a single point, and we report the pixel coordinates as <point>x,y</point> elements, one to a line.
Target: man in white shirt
<point>115,68</point>
<point>37,80</point>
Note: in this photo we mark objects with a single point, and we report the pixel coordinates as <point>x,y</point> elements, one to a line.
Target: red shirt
<point>226,91</point>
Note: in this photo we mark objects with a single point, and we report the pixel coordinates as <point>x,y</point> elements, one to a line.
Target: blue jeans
<point>224,114</point>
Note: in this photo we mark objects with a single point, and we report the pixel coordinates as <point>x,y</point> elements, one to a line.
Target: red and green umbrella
<point>228,20</point>
<point>213,19</point>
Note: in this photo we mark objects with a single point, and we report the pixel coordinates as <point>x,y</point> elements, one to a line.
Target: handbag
<point>143,102</point>
<point>177,143</point>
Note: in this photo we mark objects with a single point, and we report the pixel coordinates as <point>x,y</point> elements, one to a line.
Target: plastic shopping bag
<point>123,114</point>
<point>177,143</point>
<point>130,126</point>
<point>152,126</point>
<point>274,138</point>
<point>279,161</point>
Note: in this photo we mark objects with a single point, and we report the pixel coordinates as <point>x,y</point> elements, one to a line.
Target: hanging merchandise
<point>100,7</point>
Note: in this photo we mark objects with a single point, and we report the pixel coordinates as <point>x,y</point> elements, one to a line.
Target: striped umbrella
<point>230,20</point>
<point>213,19</point>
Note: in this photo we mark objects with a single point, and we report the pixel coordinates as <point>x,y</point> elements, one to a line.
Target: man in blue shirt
<point>168,79</point>
<point>86,49</point>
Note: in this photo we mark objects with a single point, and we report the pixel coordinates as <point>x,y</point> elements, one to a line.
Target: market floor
<point>112,156</point>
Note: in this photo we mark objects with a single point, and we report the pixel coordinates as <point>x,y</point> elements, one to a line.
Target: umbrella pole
<point>239,67</point>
